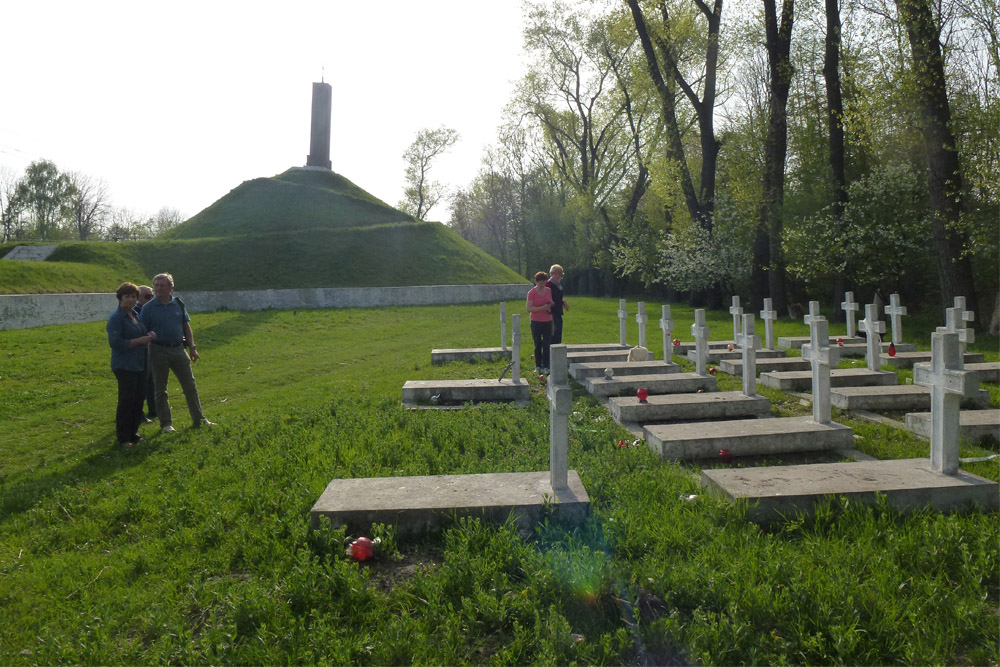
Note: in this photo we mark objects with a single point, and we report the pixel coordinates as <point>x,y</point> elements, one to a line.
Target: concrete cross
<point>737,313</point>
<point>515,347</point>
<point>813,312</point>
<point>873,328</point>
<point>560,406</point>
<point>700,333</point>
<point>622,318</point>
<point>967,315</point>
<point>667,326</point>
<point>849,305</point>
<point>642,320</point>
<point>503,326</point>
<point>749,344</point>
<point>822,357</point>
<point>895,311</point>
<point>948,383</point>
<point>769,315</point>
<point>954,321</point>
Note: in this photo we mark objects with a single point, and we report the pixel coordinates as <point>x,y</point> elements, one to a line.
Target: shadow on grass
<point>231,329</point>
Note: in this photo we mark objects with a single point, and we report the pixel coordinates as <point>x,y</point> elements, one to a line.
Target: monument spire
<point>319,136</point>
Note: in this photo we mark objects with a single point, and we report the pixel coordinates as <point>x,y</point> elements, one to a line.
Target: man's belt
<point>162,344</point>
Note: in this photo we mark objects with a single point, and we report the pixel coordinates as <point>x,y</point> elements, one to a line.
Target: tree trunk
<point>835,117</point>
<point>944,170</point>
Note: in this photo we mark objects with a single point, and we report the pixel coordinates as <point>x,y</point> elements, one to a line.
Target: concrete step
<point>448,355</point>
<point>796,342</point>
<point>777,492</point>
<point>595,347</point>
<point>735,366</point>
<point>907,359</point>
<point>715,355</point>
<point>896,397</point>
<point>745,437</point>
<point>450,392</point>
<point>667,383</point>
<point>596,357</point>
<point>986,371</point>
<point>839,377</point>
<point>583,371</point>
<point>688,407</point>
<point>974,425</point>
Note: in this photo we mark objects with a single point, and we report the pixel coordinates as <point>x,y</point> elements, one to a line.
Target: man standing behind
<point>555,284</point>
<point>145,296</point>
<point>167,316</point>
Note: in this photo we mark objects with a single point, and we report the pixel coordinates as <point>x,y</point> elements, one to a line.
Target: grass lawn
<point>195,547</point>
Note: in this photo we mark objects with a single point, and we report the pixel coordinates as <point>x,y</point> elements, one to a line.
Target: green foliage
<point>421,193</point>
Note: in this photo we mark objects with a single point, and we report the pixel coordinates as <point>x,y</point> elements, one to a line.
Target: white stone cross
<point>954,322</point>
<point>700,332</point>
<point>895,311</point>
<point>813,312</point>
<point>503,325</point>
<point>515,347</point>
<point>737,313</point>
<point>622,319</point>
<point>849,305</point>
<point>873,328</point>
<point>560,406</point>
<point>667,326</point>
<point>822,357</point>
<point>948,383</point>
<point>642,320</point>
<point>769,315</point>
<point>749,343</point>
<point>967,315</point>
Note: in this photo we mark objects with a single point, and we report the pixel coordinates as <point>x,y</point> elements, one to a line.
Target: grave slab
<point>894,397</point>
<point>745,437</point>
<point>422,503</point>
<point>688,407</point>
<point>735,366</point>
<point>597,357</point>
<point>839,377</point>
<point>716,355</point>
<point>861,349</point>
<point>619,368</point>
<point>595,347</point>
<point>418,392</point>
<point>908,358</point>
<point>796,342</point>
<point>667,383</point>
<point>448,355</point>
<point>986,371</point>
<point>974,425</point>
<point>775,492</point>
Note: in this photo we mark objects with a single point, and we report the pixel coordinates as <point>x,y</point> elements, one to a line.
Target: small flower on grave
<point>361,549</point>
<point>840,341</point>
<point>622,443</point>
<point>642,394</point>
<point>541,378</point>
<point>701,391</point>
<point>677,342</point>
<point>725,456</point>
<point>892,350</point>
<point>713,370</point>
<point>730,347</point>
<point>532,356</point>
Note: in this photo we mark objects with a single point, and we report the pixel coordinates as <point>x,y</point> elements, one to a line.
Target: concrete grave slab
<point>735,366</point>
<point>839,377</point>
<point>595,347</point>
<point>985,371</point>
<point>861,349</point>
<point>974,425</point>
<point>777,492</point>
<point>908,358</point>
<point>667,383</point>
<point>688,407</point>
<point>597,357</point>
<point>428,503</point>
<point>894,397</point>
<point>796,342</point>
<point>619,368</point>
<point>745,437</point>
<point>448,355</point>
<point>716,355</point>
<point>451,392</point>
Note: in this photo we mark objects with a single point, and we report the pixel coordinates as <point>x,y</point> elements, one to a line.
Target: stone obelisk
<point>319,135</point>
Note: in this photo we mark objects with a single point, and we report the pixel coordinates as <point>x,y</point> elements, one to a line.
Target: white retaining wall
<point>23,311</point>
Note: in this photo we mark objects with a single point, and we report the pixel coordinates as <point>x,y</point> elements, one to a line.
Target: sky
<point>175,104</point>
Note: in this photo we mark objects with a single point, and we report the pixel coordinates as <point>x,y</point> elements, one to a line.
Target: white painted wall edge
<point>23,311</point>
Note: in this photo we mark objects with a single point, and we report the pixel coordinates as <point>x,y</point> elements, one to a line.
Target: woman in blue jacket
<point>128,340</point>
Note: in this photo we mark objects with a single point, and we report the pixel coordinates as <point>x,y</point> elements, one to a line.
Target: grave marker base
<point>974,425</point>
<point>839,377</point>
<point>583,371</point>
<point>894,397</point>
<point>448,355</point>
<point>688,407</point>
<point>907,359</point>
<point>670,383</point>
<point>450,392</point>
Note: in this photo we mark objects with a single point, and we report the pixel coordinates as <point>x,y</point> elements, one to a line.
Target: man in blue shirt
<point>168,317</point>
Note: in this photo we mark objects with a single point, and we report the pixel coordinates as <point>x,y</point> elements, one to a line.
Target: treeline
<point>751,148</point>
<point>45,204</point>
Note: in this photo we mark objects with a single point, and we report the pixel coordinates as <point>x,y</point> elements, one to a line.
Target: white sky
<point>174,104</point>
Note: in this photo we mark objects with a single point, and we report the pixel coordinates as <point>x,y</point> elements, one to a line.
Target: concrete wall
<point>23,311</point>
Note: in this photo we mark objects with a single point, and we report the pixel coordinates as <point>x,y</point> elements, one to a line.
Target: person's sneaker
<point>168,429</point>
<point>203,422</point>
<point>147,420</point>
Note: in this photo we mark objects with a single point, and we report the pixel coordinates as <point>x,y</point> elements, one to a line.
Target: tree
<point>47,195</point>
<point>89,203</point>
<point>421,194</point>
<point>165,219</point>
<point>10,206</point>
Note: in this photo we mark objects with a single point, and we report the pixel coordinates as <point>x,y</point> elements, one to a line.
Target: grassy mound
<point>293,201</point>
